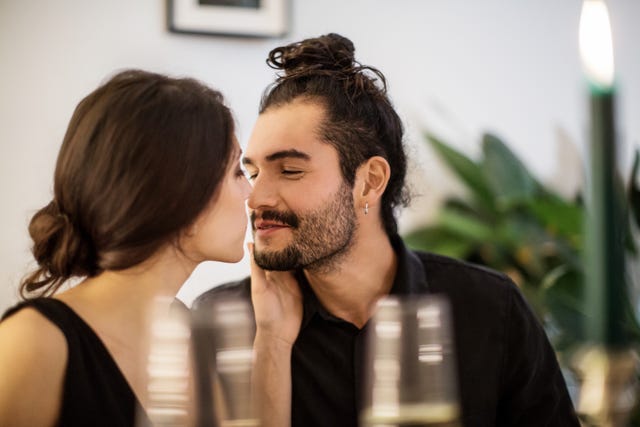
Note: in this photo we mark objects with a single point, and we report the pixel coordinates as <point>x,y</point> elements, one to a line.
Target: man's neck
<point>363,276</point>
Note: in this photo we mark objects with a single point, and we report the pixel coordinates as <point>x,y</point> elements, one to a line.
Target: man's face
<point>302,211</point>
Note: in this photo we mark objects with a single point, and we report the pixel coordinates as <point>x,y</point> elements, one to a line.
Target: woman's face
<point>219,232</point>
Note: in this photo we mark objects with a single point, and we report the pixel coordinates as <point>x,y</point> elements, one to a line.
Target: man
<point>328,169</point>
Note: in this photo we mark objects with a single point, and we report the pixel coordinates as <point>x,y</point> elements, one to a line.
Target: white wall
<point>457,66</point>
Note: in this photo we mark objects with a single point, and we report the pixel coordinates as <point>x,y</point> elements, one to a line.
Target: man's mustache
<point>286,218</point>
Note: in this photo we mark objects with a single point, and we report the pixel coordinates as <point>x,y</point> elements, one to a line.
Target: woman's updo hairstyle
<point>142,157</point>
<point>360,119</point>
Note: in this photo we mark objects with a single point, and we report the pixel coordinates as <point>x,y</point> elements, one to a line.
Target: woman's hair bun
<point>47,229</point>
<point>328,53</point>
<point>61,252</point>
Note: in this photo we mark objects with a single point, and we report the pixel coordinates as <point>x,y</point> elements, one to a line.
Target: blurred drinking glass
<point>410,369</point>
<point>223,355</point>
<point>167,367</point>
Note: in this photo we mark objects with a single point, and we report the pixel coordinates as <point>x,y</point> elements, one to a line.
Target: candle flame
<point>596,45</point>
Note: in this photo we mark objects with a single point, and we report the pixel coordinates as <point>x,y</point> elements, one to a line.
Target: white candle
<point>596,44</point>
<point>605,264</point>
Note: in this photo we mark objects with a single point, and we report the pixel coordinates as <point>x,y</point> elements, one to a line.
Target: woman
<point>147,185</point>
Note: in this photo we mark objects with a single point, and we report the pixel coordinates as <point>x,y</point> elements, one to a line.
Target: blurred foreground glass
<point>223,358</point>
<point>168,367</point>
<point>410,367</point>
<point>198,366</point>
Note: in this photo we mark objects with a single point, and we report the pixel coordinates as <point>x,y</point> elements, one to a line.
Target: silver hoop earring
<point>366,208</point>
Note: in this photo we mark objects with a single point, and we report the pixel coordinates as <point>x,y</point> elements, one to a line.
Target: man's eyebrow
<point>278,155</point>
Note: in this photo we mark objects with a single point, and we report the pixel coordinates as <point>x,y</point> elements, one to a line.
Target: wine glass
<point>410,371</point>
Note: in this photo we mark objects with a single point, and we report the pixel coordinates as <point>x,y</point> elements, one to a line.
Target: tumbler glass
<point>410,369</point>
<point>223,336</point>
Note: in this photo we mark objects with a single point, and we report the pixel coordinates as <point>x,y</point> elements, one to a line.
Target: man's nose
<point>263,195</point>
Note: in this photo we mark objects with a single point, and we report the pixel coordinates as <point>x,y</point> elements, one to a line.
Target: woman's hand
<point>277,303</point>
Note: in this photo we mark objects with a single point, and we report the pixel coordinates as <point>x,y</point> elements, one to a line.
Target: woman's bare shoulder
<point>33,357</point>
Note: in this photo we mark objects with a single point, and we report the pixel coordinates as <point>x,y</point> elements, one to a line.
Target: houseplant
<point>510,221</point>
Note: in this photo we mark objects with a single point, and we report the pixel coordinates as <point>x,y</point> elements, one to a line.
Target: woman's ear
<point>372,179</point>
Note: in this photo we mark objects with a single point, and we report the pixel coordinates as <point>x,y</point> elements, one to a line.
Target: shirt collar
<point>410,279</point>
<point>310,303</point>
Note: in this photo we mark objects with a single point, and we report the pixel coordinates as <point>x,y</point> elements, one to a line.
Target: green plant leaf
<point>469,172</point>
<point>437,240</point>
<point>523,240</point>
<point>563,296</point>
<point>464,225</point>
<point>507,176</point>
<point>634,189</point>
<point>558,217</point>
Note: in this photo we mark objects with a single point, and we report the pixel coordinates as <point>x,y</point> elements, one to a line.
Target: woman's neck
<point>118,306</point>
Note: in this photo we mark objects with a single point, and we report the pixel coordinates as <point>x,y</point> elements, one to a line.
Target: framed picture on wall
<point>248,18</point>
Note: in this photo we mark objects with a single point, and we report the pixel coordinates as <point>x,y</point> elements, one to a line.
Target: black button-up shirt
<point>508,374</point>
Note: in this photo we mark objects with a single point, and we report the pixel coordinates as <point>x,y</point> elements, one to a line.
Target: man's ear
<point>372,178</point>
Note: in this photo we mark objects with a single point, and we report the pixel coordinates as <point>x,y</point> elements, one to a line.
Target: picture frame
<point>240,18</point>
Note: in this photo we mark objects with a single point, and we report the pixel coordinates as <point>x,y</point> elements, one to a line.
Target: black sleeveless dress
<point>95,392</point>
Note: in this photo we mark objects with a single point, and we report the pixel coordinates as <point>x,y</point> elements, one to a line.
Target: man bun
<point>328,55</point>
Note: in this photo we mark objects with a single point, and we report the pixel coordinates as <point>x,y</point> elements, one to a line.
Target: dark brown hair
<point>142,157</point>
<point>360,119</point>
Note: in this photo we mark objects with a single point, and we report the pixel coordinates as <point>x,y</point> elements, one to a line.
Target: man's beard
<point>320,237</point>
